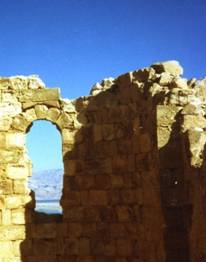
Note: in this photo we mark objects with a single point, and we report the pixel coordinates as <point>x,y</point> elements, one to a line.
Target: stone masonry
<point>134,170</point>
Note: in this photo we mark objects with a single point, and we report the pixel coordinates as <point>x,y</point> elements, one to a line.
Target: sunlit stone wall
<point>134,170</point>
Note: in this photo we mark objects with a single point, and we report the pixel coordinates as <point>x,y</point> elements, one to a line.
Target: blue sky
<point>73,44</point>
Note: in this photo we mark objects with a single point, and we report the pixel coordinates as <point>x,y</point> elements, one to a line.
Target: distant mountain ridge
<point>47,184</point>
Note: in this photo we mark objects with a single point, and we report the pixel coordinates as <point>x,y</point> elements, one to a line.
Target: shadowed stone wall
<point>134,170</point>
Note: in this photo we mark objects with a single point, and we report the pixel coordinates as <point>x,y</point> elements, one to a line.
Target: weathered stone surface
<point>5,123</point>
<point>41,96</point>
<point>14,140</point>
<point>12,232</point>
<point>17,172</point>
<point>131,150</point>
<point>41,111</point>
<point>172,67</point>
<point>18,216</point>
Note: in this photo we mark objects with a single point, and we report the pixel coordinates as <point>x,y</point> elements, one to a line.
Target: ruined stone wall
<point>134,162</point>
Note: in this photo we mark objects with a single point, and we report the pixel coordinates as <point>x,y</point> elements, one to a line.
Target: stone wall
<point>134,162</point>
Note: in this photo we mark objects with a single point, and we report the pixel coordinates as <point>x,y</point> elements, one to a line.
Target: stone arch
<point>65,122</point>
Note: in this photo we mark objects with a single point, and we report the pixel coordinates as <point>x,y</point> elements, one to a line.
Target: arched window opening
<point>45,151</point>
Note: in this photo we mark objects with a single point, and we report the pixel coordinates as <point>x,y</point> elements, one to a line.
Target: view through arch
<point>45,151</point>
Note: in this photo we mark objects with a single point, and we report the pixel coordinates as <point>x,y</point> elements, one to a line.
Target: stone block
<point>30,115</point>
<point>44,231</point>
<point>129,196</point>
<point>20,187</point>
<point>70,167</point>
<point>74,230</point>
<point>166,114</point>
<point>5,123</point>
<point>18,216</point>
<point>68,136</point>
<point>17,201</point>
<point>172,67</point>
<point>2,202</point>
<point>68,106</point>
<point>6,186</point>
<point>102,182</point>
<point>145,143</point>
<point>73,199</point>
<point>123,213</point>
<point>15,140</point>
<point>89,230</point>
<point>84,246</point>
<point>193,121</point>
<point>98,197</point>
<point>163,136</point>
<point>108,132</point>
<point>124,247</point>
<point>41,111</point>
<point>66,120</point>
<point>11,157</point>
<point>6,217</point>
<point>6,249</point>
<point>20,123</point>
<point>12,232</point>
<point>41,95</point>
<point>117,181</point>
<point>72,246</point>
<point>44,247</point>
<point>17,248</point>
<point>53,114</point>
<point>18,172</point>
<point>165,78</point>
<point>97,133</point>
<point>8,109</point>
<point>74,214</point>
<point>110,248</point>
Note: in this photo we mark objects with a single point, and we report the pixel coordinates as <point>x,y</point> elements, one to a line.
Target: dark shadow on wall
<point>197,182</point>
<point>107,213</point>
<point>176,206</point>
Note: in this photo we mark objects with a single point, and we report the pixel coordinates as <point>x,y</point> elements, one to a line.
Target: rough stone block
<point>17,172</point>
<point>108,132</point>
<point>5,123</point>
<point>12,232</point>
<point>17,201</point>
<point>98,197</point>
<point>20,187</point>
<point>18,216</point>
<point>97,133</point>
<point>15,140</point>
<point>124,247</point>
<point>84,247</point>
<point>172,67</point>
<point>192,122</point>
<point>70,167</point>
<point>41,111</point>
<point>6,186</point>
<point>145,143</point>
<point>6,249</point>
<point>68,136</point>
<point>6,217</point>
<point>7,156</point>
<point>52,114</point>
<point>41,96</point>
<point>44,231</point>
<point>30,115</point>
<point>20,123</point>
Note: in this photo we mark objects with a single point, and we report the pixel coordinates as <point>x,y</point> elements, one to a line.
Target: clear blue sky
<point>73,44</point>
